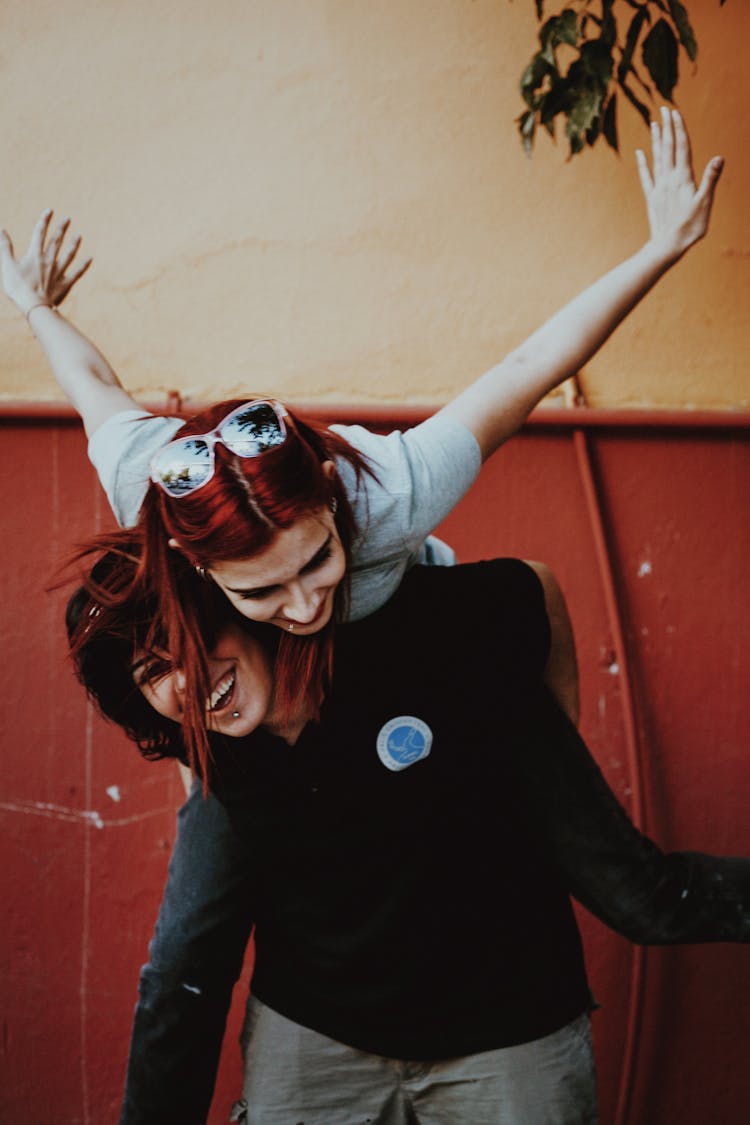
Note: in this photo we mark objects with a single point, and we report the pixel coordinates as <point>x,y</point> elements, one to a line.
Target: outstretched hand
<point>42,275</point>
<point>678,212</point>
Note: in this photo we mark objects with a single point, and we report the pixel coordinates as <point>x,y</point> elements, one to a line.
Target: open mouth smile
<point>223,692</point>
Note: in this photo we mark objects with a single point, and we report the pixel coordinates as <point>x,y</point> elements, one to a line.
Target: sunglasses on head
<point>186,464</point>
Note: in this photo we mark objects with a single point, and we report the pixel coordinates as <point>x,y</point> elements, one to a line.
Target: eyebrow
<point>304,569</point>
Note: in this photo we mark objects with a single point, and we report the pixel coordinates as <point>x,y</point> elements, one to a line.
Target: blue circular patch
<point>403,741</point>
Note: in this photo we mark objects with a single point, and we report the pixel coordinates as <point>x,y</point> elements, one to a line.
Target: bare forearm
<point>498,403</point>
<point>80,369</point>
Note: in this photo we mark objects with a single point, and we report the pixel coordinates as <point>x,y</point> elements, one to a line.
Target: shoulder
<point>439,452</point>
<point>490,583</point>
<point>492,607</point>
<point>121,450</point>
<point>130,433</point>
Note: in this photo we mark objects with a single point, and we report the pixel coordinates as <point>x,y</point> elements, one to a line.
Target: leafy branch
<point>602,64</point>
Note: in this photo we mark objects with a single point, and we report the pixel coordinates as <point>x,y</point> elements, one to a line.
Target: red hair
<point>237,515</point>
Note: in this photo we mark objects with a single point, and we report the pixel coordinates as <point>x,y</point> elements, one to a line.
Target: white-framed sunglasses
<point>186,464</point>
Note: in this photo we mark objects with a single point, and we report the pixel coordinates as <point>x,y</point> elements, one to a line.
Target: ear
<point>329,468</point>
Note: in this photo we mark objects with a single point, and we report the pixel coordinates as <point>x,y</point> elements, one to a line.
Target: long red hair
<point>237,515</point>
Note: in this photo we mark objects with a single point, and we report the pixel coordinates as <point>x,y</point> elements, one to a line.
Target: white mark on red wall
<point>78,816</point>
<point>645,568</point>
<point>113,791</point>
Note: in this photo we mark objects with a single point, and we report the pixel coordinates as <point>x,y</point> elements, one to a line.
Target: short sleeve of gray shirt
<point>421,474</point>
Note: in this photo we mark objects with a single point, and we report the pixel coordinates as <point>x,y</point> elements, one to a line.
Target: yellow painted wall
<point>327,199</point>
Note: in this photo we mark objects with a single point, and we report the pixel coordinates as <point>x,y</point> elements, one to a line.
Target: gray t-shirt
<point>422,474</point>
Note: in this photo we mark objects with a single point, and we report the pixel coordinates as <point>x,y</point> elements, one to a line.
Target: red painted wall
<point>88,826</point>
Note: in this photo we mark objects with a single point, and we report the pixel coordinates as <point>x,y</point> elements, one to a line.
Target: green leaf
<point>568,27</point>
<point>556,100</point>
<point>533,76</point>
<point>631,40</point>
<point>634,101</point>
<point>585,107</point>
<point>660,57</point>
<point>609,123</point>
<point>527,127</point>
<point>575,139</point>
<point>559,29</point>
<point>609,24</point>
<point>679,14</point>
<point>597,62</point>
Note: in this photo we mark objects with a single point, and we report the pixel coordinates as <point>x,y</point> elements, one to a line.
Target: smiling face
<point>241,683</point>
<point>293,582</point>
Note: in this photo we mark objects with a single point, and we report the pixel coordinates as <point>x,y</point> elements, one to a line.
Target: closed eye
<point>151,668</point>
<point>319,559</point>
<point>256,595</point>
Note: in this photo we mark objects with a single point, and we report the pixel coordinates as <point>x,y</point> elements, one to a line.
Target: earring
<point>201,572</point>
<point>290,627</point>
<point>235,714</point>
<point>333,504</point>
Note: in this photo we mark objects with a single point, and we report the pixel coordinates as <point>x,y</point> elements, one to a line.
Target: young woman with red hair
<point>277,511</point>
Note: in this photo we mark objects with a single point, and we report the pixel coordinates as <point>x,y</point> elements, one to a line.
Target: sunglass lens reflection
<point>253,431</point>
<point>184,467</point>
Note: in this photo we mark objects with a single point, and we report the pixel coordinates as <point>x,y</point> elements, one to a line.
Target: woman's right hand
<point>42,275</point>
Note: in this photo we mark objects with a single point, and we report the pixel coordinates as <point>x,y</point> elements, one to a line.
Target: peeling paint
<point>644,568</point>
<point>614,668</point>
<point>113,791</point>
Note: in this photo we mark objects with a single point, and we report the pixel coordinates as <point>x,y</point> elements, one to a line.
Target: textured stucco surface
<point>327,199</point>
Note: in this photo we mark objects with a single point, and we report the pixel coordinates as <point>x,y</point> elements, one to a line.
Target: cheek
<point>162,701</point>
<point>254,611</point>
<point>336,569</point>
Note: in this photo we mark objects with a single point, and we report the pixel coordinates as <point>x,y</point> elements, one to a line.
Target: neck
<point>289,727</point>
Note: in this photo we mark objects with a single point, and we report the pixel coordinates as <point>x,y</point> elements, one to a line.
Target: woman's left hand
<point>41,276</point>
<point>678,212</point>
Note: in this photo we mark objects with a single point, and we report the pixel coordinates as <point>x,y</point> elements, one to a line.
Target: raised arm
<point>37,283</point>
<point>497,404</point>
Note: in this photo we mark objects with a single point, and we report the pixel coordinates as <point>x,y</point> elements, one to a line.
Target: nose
<point>302,604</point>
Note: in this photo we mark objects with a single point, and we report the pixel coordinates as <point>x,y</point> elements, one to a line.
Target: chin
<point>311,627</point>
<point>238,728</point>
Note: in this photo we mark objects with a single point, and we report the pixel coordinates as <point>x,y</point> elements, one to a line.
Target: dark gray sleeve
<point>620,875</point>
<point>195,958</point>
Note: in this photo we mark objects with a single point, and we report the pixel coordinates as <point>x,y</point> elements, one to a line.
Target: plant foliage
<point>594,51</point>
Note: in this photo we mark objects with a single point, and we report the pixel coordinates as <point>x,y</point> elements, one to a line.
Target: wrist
<point>39,304</point>
<point>661,254</point>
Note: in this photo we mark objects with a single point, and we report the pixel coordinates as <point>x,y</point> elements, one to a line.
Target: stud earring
<point>333,504</point>
<point>201,572</point>
<point>235,714</point>
<point>290,627</point>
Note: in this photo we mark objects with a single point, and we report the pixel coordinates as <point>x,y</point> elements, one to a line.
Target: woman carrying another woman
<point>282,515</point>
<point>407,862</point>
